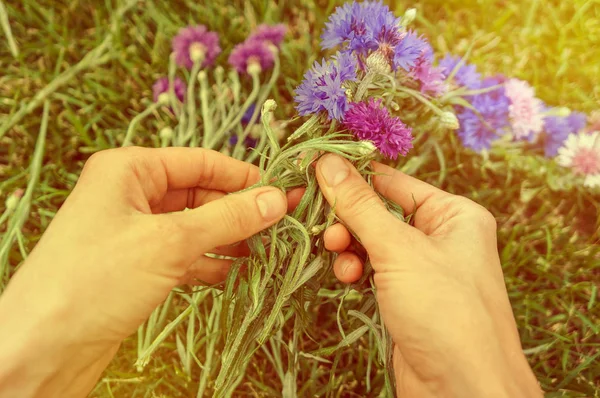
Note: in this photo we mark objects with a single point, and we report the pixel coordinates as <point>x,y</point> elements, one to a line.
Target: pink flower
<point>581,153</point>
<point>195,43</point>
<point>525,111</point>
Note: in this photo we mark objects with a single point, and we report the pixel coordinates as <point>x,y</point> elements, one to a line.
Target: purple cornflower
<point>408,51</point>
<point>195,43</point>
<point>251,56</point>
<point>162,86</point>
<point>322,89</point>
<point>479,128</point>
<point>363,27</point>
<point>577,121</point>
<point>556,131</point>
<point>271,34</point>
<point>466,75</point>
<point>248,115</point>
<point>370,121</point>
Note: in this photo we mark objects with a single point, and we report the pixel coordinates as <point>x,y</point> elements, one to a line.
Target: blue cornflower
<point>248,115</point>
<point>322,88</point>
<point>577,121</point>
<point>479,128</point>
<point>466,76</point>
<point>408,51</point>
<point>556,131</point>
<point>362,27</point>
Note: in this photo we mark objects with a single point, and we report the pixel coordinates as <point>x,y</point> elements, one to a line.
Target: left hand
<point>112,254</point>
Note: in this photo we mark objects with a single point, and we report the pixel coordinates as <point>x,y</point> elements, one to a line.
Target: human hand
<point>114,251</point>
<point>440,286</point>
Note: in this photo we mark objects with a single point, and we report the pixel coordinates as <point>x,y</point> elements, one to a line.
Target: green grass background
<point>548,239</point>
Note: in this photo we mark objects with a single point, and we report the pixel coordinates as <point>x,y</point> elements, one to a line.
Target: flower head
<point>161,86</point>
<point>556,131</point>
<point>577,121</point>
<point>408,51</point>
<point>581,153</point>
<point>362,27</point>
<point>431,77</point>
<point>195,43</point>
<point>479,128</point>
<point>270,34</point>
<point>370,121</point>
<point>525,110</point>
<point>466,75</point>
<point>322,88</point>
<point>251,57</point>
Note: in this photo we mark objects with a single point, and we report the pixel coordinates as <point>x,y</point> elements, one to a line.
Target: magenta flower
<point>162,86</point>
<point>370,121</point>
<point>432,78</point>
<point>251,55</point>
<point>195,43</point>
<point>270,34</point>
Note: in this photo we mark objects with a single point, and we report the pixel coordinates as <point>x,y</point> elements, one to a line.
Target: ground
<point>548,238</point>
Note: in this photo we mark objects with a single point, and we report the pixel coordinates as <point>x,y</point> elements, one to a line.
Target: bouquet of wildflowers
<point>379,94</point>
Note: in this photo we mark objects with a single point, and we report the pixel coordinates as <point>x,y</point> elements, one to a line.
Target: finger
<point>239,249</point>
<point>294,197</point>
<point>158,170</point>
<point>410,193</point>
<point>337,238</point>
<point>355,202</point>
<point>228,220</point>
<point>207,270</point>
<point>347,267</point>
<point>181,199</point>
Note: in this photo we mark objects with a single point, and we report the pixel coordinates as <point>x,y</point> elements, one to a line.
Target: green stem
<point>136,120</point>
<point>417,95</point>
<point>94,58</point>
<point>190,102</point>
<point>206,117</point>
<point>22,211</point>
<point>363,86</point>
<point>12,45</point>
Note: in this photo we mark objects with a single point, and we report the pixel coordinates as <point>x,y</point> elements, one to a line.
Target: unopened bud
<point>378,62</point>
<point>449,121</point>
<point>13,200</point>
<point>269,106</point>
<point>253,67</point>
<point>409,17</point>
<point>202,76</point>
<point>366,148</point>
<point>395,107</point>
<point>163,98</point>
<point>197,52</point>
<point>166,133</point>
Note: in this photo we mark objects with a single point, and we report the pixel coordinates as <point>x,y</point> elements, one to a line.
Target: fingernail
<point>334,169</point>
<point>271,204</point>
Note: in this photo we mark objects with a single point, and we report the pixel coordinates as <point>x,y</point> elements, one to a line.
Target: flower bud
<point>366,148</point>
<point>269,106</point>
<point>13,200</point>
<point>378,62</point>
<point>197,52</point>
<point>449,121</point>
<point>166,133</point>
<point>163,98</point>
<point>409,17</point>
<point>202,76</point>
<point>253,67</point>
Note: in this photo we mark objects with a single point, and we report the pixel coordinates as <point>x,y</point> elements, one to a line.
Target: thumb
<point>354,201</point>
<point>232,218</point>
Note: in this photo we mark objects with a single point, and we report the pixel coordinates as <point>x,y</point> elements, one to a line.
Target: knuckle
<point>235,216</point>
<point>358,201</point>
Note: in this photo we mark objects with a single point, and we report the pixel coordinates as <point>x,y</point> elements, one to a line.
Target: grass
<point>548,234</point>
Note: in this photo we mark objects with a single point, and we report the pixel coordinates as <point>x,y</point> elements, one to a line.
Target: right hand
<point>440,286</point>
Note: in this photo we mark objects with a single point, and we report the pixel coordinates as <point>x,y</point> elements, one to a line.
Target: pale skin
<point>122,241</point>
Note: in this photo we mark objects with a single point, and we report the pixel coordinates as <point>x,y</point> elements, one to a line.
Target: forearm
<point>41,354</point>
